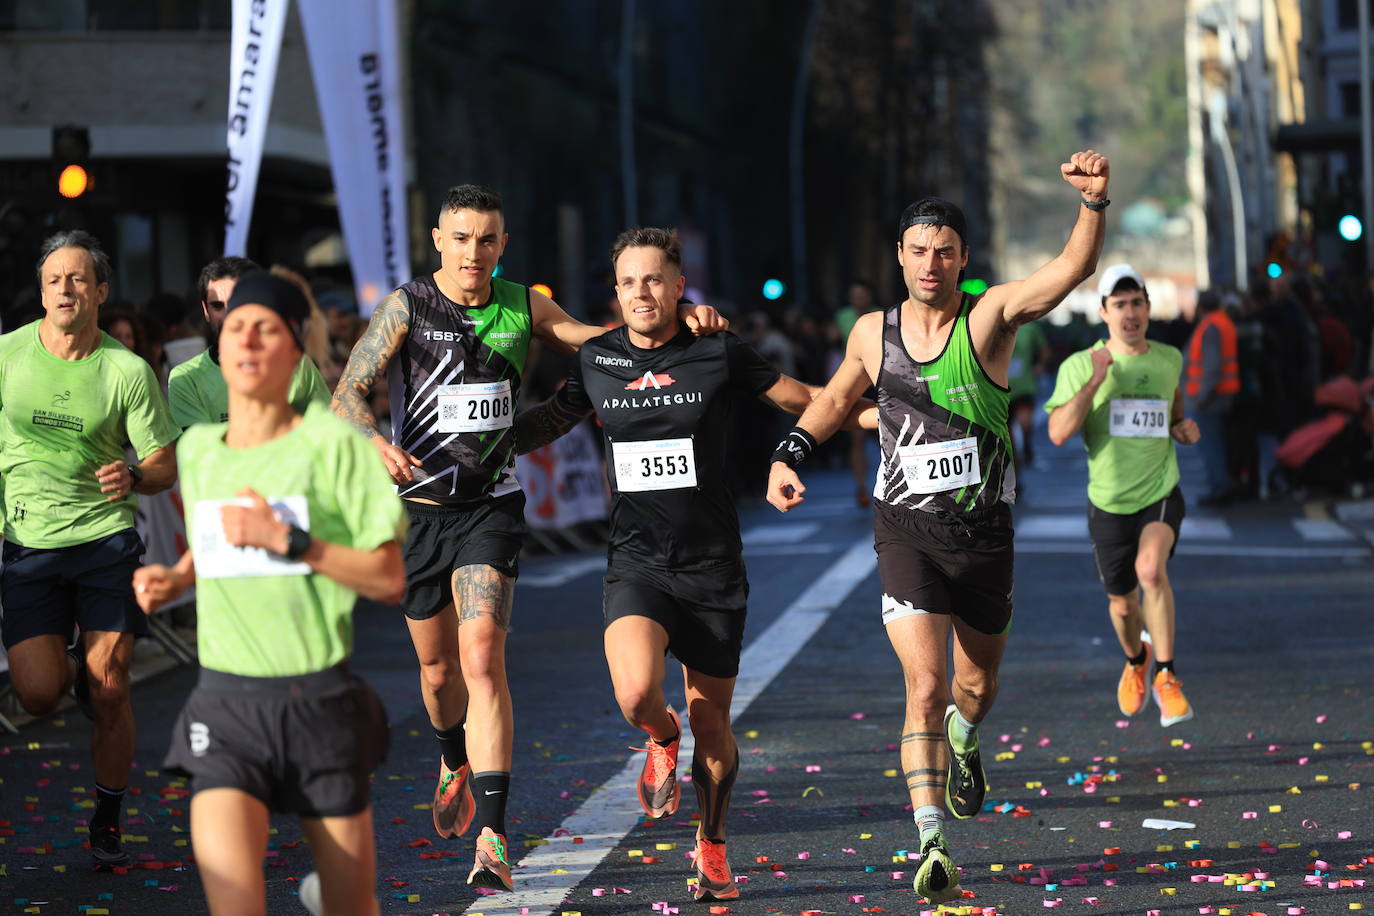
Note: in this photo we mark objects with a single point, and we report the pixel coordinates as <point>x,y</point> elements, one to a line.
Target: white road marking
<point>779,534</point>
<point>1050,527</point>
<point>1210,550</point>
<point>553,575</point>
<point>1322,529</point>
<point>1206,529</point>
<point>546,874</point>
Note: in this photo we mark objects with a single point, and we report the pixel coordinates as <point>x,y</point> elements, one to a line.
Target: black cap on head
<point>281,296</point>
<point>936,212</point>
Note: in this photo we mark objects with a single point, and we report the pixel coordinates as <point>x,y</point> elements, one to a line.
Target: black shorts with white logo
<point>1117,537</point>
<point>702,608</point>
<point>443,539</point>
<point>48,591</point>
<point>304,745</point>
<point>940,564</point>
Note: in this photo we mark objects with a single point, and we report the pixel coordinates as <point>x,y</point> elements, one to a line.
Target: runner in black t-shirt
<point>675,579</point>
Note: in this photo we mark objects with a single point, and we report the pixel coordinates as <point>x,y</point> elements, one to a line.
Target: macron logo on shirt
<point>613,361</point>
<point>647,380</point>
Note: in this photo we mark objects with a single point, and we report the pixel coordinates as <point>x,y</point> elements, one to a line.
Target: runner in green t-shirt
<point>70,398</point>
<point>277,721</point>
<point>196,389</point>
<point>1123,395</point>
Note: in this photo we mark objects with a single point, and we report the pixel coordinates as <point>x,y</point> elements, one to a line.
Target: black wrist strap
<point>1176,422</point>
<point>1096,205</point>
<point>297,543</point>
<point>795,447</point>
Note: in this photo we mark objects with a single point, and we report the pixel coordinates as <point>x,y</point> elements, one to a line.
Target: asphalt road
<point>1275,774</point>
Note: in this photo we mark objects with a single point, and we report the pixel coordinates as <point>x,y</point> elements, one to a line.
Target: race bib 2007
<point>940,466</point>
<point>1139,418</point>
<point>216,558</point>
<point>477,408</point>
<point>654,464</point>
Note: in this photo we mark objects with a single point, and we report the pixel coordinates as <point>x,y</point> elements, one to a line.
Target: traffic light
<point>974,286</point>
<point>773,289</point>
<point>71,153</point>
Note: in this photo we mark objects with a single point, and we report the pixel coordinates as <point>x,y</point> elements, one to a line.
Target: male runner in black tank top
<point>943,524</point>
<point>453,344</point>
<point>675,578</point>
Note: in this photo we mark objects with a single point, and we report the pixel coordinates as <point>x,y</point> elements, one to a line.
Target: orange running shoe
<point>715,881</point>
<point>454,805</point>
<point>1131,695</point>
<point>491,870</point>
<point>659,790</point>
<point>1173,705</point>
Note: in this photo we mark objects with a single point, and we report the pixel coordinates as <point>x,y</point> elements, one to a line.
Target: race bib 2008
<point>477,408</point>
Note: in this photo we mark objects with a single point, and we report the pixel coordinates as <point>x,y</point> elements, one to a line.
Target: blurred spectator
<point>1030,357</point>
<point>1213,381</point>
<point>317,343</point>
<point>123,325</point>
<point>771,343</point>
<point>861,298</point>
<point>1243,429</point>
<point>184,337</point>
<point>155,339</point>
<point>808,346</point>
<point>342,322</point>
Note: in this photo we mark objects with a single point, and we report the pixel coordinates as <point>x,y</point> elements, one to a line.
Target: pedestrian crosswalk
<point>1058,526</point>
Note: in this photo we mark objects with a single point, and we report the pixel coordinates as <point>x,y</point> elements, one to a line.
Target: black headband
<point>281,296</point>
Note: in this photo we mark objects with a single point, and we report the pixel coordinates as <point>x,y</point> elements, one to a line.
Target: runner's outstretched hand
<point>785,488</point>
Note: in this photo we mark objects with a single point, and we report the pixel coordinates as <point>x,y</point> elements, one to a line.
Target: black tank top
<point>454,386</point>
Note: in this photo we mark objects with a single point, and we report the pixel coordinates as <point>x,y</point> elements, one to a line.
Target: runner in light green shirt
<point>1123,395</point>
<point>290,519</point>
<point>71,397</point>
<point>61,420</point>
<point>197,393</point>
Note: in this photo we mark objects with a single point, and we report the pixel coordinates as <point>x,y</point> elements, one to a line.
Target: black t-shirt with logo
<point>666,417</point>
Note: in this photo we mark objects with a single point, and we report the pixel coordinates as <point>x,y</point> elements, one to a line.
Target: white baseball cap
<point>1114,275</point>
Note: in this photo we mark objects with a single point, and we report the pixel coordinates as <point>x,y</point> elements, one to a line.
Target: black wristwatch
<point>136,473</point>
<point>298,541</point>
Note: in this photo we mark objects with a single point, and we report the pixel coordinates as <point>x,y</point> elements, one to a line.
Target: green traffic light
<point>974,286</point>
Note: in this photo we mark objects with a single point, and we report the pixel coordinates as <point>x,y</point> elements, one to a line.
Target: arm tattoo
<point>383,338</point>
<point>481,591</point>
<point>543,423</point>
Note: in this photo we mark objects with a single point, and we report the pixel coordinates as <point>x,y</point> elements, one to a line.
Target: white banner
<point>354,59</point>
<point>564,482</point>
<point>253,55</point>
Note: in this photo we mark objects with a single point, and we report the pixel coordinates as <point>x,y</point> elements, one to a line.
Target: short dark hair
<point>230,268</point>
<point>75,238</point>
<point>665,240</point>
<point>168,308</point>
<point>471,197</point>
<point>934,212</point>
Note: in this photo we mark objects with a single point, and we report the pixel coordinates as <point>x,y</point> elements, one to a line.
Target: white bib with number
<point>654,464</point>
<point>475,408</point>
<point>216,558</point>
<point>940,466</point>
<point>1139,418</point>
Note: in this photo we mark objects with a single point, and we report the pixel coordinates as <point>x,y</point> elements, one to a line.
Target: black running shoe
<point>107,848</point>
<point>966,785</point>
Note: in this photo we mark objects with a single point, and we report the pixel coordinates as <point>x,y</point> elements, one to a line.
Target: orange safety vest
<point>1229,383</point>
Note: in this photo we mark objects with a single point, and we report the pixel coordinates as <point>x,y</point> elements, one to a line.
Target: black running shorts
<point>442,539</point>
<point>48,591</point>
<point>933,564</point>
<point>1117,537</point>
<point>703,609</point>
<point>302,745</point>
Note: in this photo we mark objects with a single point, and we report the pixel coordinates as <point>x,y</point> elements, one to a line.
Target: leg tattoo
<point>481,591</point>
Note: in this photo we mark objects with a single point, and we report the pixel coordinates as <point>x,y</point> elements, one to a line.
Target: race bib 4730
<point>1139,418</point>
